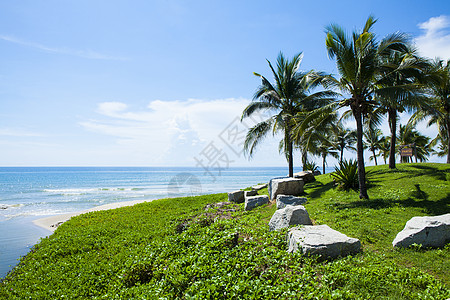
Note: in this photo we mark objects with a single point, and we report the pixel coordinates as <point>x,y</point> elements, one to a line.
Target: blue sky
<point>157,83</point>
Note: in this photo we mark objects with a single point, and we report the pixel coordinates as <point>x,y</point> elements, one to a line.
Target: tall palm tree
<point>398,89</point>
<point>437,109</point>
<point>373,141</point>
<point>358,62</point>
<point>290,94</point>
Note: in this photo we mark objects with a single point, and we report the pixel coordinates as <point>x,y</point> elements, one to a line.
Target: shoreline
<point>52,222</point>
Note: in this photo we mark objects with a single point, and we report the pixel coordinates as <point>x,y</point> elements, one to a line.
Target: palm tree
<point>324,148</point>
<point>342,139</point>
<point>420,143</point>
<point>442,143</point>
<point>358,63</point>
<point>289,95</point>
<point>398,89</point>
<point>384,148</point>
<point>373,141</point>
<point>311,134</point>
<point>437,109</point>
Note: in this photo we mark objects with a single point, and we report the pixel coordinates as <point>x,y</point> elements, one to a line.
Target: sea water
<point>29,193</point>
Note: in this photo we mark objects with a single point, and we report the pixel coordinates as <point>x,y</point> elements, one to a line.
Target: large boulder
<point>236,196</point>
<point>283,200</point>
<point>307,176</point>
<point>254,201</point>
<point>321,240</point>
<point>286,186</point>
<point>427,231</point>
<point>290,215</point>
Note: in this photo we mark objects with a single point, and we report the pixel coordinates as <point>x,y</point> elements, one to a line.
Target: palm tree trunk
<point>360,153</point>
<point>448,140</point>
<point>287,138</point>
<point>323,164</point>
<point>304,158</point>
<point>393,127</point>
<point>374,157</point>
<point>342,154</point>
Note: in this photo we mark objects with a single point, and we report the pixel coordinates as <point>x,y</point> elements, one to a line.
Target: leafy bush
<point>310,166</point>
<point>346,175</point>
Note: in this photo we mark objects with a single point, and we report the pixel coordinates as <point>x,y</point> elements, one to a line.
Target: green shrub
<point>346,175</point>
<point>310,166</point>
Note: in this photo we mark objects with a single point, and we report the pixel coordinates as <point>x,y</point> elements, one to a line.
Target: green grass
<point>174,248</point>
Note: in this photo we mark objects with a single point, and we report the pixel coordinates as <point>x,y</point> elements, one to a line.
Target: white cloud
<point>174,132</point>
<point>90,54</point>
<point>435,41</point>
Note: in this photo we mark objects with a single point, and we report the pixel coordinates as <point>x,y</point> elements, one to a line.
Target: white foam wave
<point>32,213</point>
<point>8,206</point>
<point>84,191</point>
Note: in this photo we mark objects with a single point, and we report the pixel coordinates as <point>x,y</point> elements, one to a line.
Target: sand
<point>51,223</point>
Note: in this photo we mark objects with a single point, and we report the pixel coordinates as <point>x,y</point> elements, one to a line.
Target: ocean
<point>29,193</point>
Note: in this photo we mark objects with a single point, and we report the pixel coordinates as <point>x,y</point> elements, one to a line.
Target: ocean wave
<point>7,206</point>
<point>34,213</point>
<point>85,191</point>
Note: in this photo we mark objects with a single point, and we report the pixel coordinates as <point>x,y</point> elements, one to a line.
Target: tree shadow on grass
<point>439,207</point>
<point>413,171</point>
<point>319,188</point>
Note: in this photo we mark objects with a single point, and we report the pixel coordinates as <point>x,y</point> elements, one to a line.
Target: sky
<point>164,82</point>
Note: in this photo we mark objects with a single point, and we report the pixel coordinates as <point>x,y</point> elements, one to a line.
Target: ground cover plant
<point>184,248</point>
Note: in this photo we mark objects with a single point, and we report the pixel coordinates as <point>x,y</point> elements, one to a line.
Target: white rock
<point>286,186</point>
<point>307,176</point>
<point>236,196</point>
<point>321,240</point>
<point>290,215</point>
<point>254,201</point>
<point>283,200</point>
<point>427,231</point>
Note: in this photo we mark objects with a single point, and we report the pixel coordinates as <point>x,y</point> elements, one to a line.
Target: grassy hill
<point>175,248</point>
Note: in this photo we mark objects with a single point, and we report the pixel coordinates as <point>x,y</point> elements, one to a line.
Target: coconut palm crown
<point>289,94</point>
<point>358,62</point>
<point>437,109</point>
<point>399,88</point>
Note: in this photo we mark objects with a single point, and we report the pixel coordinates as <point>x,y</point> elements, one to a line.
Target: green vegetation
<point>175,248</point>
<point>346,175</point>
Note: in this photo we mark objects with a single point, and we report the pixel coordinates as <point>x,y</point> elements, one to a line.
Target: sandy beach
<point>52,222</point>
